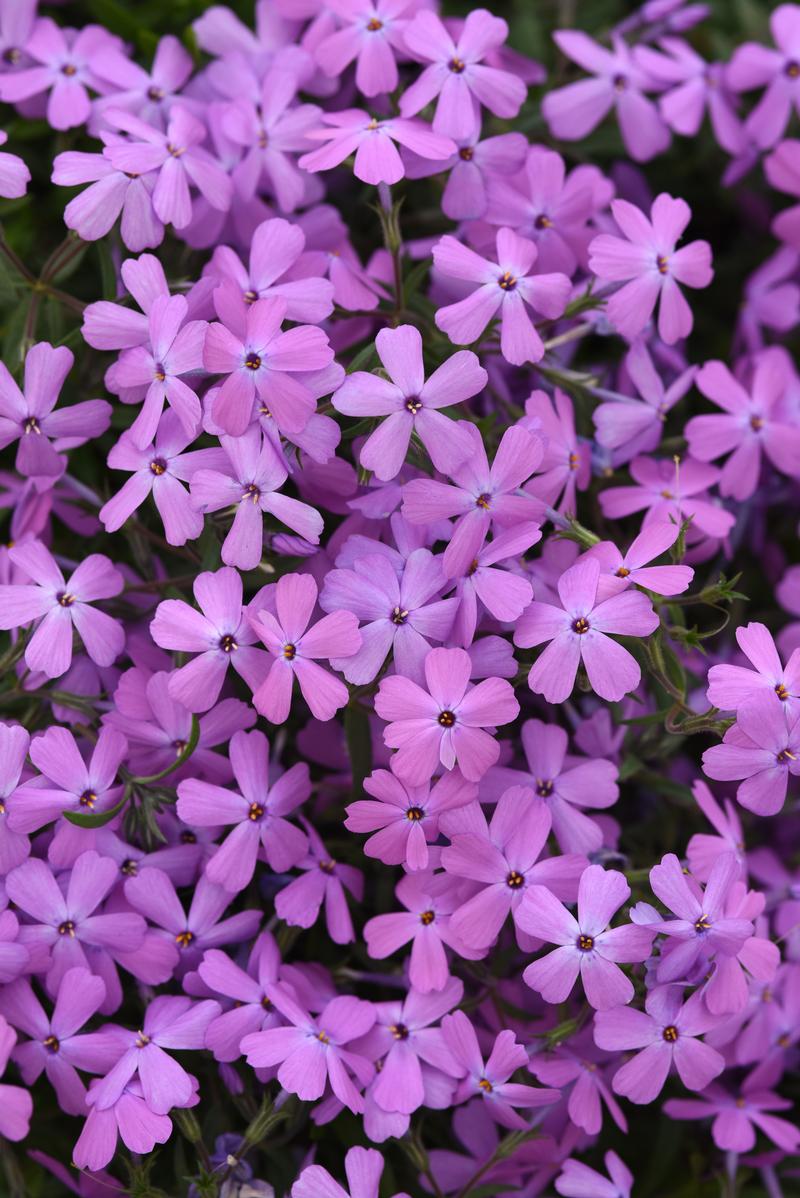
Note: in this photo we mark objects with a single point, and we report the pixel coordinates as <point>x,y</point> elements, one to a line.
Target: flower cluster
<point>371,647</point>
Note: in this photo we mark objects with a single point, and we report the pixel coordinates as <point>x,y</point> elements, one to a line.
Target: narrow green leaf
<point>98,819</point>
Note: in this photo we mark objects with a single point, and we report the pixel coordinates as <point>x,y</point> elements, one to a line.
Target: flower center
<point>399,615</point>
<point>67,928</point>
<point>785,756</point>
<point>328,866</point>
<point>620,83</point>
<point>265,1003</point>
<point>399,1031</point>
<point>447,719</point>
<point>12,56</point>
<point>483,501</point>
<point>662,264</point>
<point>228,643</point>
<point>485,1085</point>
<point>155,93</point>
<point>781,692</point>
<point>506,282</point>
<point>250,297</point>
<point>415,814</point>
<point>256,812</point>
<point>180,746</point>
<point>142,1040</point>
<point>427,918</point>
<point>88,799</point>
<point>573,461</point>
<point>175,151</point>
<point>413,404</point>
<point>670,1034</point>
<point>159,373</point>
<point>290,652</point>
<point>252,362</point>
<point>158,466</point>
<point>585,943</point>
<point>702,924</point>
<point>129,868</point>
<point>69,70</point>
<point>188,837</point>
<point>792,69</point>
<point>667,494</point>
<point>184,939</point>
<point>466,153</point>
<point>756,423</point>
<point>514,880</point>
<point>323,1037</point>
<point>544,787</point>
<point>456,65</point>
<point>374,25</point>
<point>64,599</point>
<point>543,222</point>
<point>581,625</point>
<point>51,1044</point>
<point>252,493</point>
<point>31,425</point>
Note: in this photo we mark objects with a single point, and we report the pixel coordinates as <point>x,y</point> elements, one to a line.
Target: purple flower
<point>694,86</point>
<point>753,66</point>
<point>482,498</point>
<point>68,783</point>
<point>632,427</point>
<point>363,1166</point>
<point>294,648</point>
<point>621,571</point>
<point>489,1080</point>
<point>401,615</point>
<point>405,819</point>
<point>503,858</point>
<point>501,289</point>
<point>566,465</point>
<point>29,417</point>
<point>311,1052</point>
<point>322,880</point>
<point>14,846</point>
<point>16,1104</point>
<point>130,1118</point>
<point>763,748</point>
<point>731,687</point>
<point>252,1010</point>
<point>150,94</point>
<point>219,633</point>
<point>578,632</point>
<point>94,212</point>
<point>260,361</point>
<point>670,491</point>
<point>577,1180</point>
<point>586,945</point>
<point>410,403</point>
<point>457,73</point>
<point>782,168</point>
<point>737,1117</point>
<point>474,169</point>
<point>169,1023</point>
<point>703,850</point>
<point>650,267</point>
<point>377,159</point>
<point>371,31</point>
<point>177,156</point>
<point>258,812</point>
<point>56,1046</point>
<point>666,1033</point>
<point>619,82</point>
<point>446,722</point>
<point>62,67</point>
<point>14,174</point>
<point>486,585</point>
<point>67,923</point>
<point>752,422</point>
<point>580,1065</point>
<point>58,606</point>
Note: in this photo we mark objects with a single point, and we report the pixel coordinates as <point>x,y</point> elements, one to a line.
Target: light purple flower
<point>14,846</point>
<point>577,1180</point>
<point>737,1117</point>
<point>62,67</point>
<point>16,1103</point>
<point>14,174</point>
<point>753,65</point>
<point>621,571</point>
<point>150,94</point>
<point>371,32</point>
<point>671,491</point>
<point>763,748</point>
<point>474,169</point>
<point>364,1168</point>
<point>694,87</point>
<point>377,159</point>
<point>111,192</point>
<point>566,466</point>
<point>130,1118</point>
<point>731,686</point>
<point>633,427</point>
<point>68,783</point>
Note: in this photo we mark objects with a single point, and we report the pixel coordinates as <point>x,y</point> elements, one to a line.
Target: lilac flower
<point>586,945</point>
<point>694,87</point>
<point>111,192</point>
<point>474,169</point>
<point>763,748</point>
<point>252,1010</point>
<point>169,1023</point>
<point>579,1064</point>
<point>577,1180</point>
<point>429,902</point>
<point>621,571</point>
<point>504,858</point>
<point>151,892</point>
<point>651,268</point>
<point>566,464</point>
<point>109,325</point>
<point>563,784</point>
<point>67,923</point>
<point>62,68</point>
<point>363,1166</point>
<point>16,1104</point>
<point>731,687</point>
<point>410,403</point>
<point>322,880</point>
<point>782,168</point>
<point>633,427</point>
<point>753,66</point>
<point>489,1080</point>
<point>619,82</point>
<point>219,633</point>
<point>150,94</point>
<point>405,1043</point>
<point>377,159</point>
<point>482,498</point>
<point>446,722</point>
<point>59,606</point>
<point>500,289</point>
<point>372,31</point>
<point>159,470</point>
<point>670,491</point>
<point>14,174</point>
<point>457,73</point>
<point>771,299</point>
<point>177,156</point>
<point>666,1033</point>
<point>751,423</point>
<point>578,632</point>
<point>258,812</point>
<point>310,1052</point>
<point>259,360</point>
<point>56,1046</point>
<point>74,785</point>
<point>401,615</point>
<point>130,1118</point>
<point>29,417</point>
<point>14,846</point>
<point>486,585</point>
<point>737,1117</point>
<point>294,648</point>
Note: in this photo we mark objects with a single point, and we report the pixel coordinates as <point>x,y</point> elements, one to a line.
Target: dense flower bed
<point>400,696</point>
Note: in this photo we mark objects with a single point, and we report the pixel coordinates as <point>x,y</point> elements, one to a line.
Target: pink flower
<point>731,687</point>
<point>372,31</point>
<point>577,1180</point>
<point>651,268</point>
<point>16,1103</point>
<point>62,67</point>
<point>754,65</point>
<point>372,141</point>
<point>446,722</point>
<point>501,289</point>
<point>578,632</point>
<point>322,880</point>
<point>295,647</point>
<point>763,748</point>
<point>621,571</point>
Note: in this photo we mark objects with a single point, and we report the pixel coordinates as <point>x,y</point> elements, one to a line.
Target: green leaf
<point>182,757</point>
<point>99,818</point>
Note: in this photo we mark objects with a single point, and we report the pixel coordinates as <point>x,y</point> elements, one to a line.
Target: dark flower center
<point>514,880</point>
<point>160,373</point>
<point>581,625</point>
<point>64,599</point>
<point>175,151</point>
<point>328,866</point>
<point>399,615</point>
<point>265,1003</point>
<point>158,466</point>
<point>69,70</point>
<point>781,692</point>
<point>31,425</point>
<point>129,868</point>
<point>413,404</point>
<point>188,837</point>
<point>184,939</point>
<point>702,924</point>
<point>756,423</point>
<point>67,928</point>
<point>250,297</point>
<point>620,83</point>
<point>670,1034</point>
<point>12,56</point>
<point>427,918</point>
<point>506,282</point>
<point>623,572</point>
<point>456,65</point>
<point>485,1085</point>
<point>662,264</point>
<point>179,746</point>
<point>785,756</point>
<point>585,943</point>
<point>155,93</point>
<point>290,652</point>
<point>142,1040</point>
<point>51,1044</point>
<point>228,643</point>
<point>466,153</point>
<point>88,799</point>
<point>544,787</point>
<point>252,493</point>
<point>447,719</point>
<point>414,814</point>
<point>399,1031</point>
<point>483,501</point>
<point>792,69</point>
<point>374,25</point>
<point>256,812</point>
<point>542,222</point>
<point>252,362</point>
